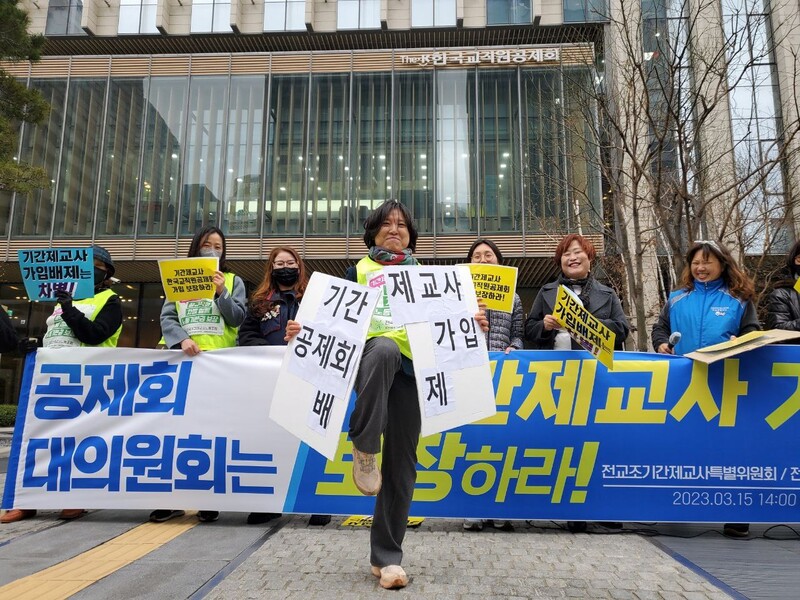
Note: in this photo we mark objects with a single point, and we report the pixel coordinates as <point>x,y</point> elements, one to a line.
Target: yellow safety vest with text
<point>226,338</point>
<point>59,335</point>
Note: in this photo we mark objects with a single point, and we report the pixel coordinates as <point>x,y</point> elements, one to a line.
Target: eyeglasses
<point>279,264</point>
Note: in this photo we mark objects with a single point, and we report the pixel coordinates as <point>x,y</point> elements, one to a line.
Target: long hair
<point>793,253</point>
<point>259,301</point>
<point>566,242</point>
<point>200,237</point>
<point>374,222</point>
<point>491,245</point>
<point>736,280</point>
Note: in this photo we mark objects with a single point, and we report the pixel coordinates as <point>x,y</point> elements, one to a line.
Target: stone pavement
<point>445,562</point>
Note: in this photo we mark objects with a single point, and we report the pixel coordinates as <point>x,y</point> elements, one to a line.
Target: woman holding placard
<point>274,303</point>
<point>504,335</point>
<point>222,317</point>
<point>574,256</point>
<point>713,305</point>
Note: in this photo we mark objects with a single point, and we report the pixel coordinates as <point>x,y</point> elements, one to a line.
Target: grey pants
<point>387,404</point>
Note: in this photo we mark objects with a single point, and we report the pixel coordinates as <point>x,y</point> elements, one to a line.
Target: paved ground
<point>288,559</point>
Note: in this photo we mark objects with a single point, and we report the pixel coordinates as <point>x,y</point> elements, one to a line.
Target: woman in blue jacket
<point>714,304</point>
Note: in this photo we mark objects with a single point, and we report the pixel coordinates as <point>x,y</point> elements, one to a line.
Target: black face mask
<point>286,276</point>
<point>99,276</point>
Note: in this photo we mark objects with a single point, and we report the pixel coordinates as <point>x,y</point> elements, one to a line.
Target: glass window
<point>508,12</point>
<point>211,16</point>
<point>326,209</point>
<point>430,13</point>
<point>205,139</point>
<point>162,156</point>
<point>358,14</point>
<point>286,152</point>
<point>80,157</point>
<point>284,15</point>
<point>370,165</point>
<point>584,11</point>
<point>64,17</point>
<point>455,105</point>
<point>119,180</point>
<point>414,127</point>
<point>137,16</point>
<point>244,156</point>
<point>41,144</point>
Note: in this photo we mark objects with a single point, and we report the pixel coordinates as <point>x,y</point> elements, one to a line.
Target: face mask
<point>99,276</point>
<point>210,253</point>
<point>286,276</point>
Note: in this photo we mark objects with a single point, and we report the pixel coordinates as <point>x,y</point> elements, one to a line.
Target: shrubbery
<point>8,413</point>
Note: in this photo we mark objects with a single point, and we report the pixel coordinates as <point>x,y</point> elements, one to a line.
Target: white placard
<point>417,293</point>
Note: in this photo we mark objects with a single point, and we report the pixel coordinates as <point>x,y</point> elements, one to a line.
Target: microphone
<point>674,339</point>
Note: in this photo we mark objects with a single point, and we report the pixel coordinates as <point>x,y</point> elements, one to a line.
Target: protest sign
<point>743,343</point>
<point>495,285</point>
<point>48,270</point>
<point>188,278</point>
<point>584,327</point>
<point>318,371</point>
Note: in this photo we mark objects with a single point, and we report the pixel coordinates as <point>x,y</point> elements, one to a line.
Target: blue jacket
<point>705,315</point>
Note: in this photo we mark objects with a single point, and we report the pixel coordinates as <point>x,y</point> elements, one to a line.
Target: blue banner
<point>659,438</point>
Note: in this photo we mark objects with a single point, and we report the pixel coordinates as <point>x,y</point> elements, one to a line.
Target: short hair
<point>793,253</point>
<point>375,219</point>
<point>491,245</point>
<point>198,239</point>
<point>566,242</point>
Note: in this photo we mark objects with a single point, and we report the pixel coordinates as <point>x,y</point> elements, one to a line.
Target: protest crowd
<point>713,304</point>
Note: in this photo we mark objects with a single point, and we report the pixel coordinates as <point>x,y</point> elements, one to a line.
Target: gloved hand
<point>64,298</point>
<point>28,345</point>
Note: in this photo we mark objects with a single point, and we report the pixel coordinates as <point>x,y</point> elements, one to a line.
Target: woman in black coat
<point>784,301</point>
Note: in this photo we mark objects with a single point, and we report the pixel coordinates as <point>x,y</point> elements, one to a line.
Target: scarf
<point>383,256</point>
<point>585,284</point>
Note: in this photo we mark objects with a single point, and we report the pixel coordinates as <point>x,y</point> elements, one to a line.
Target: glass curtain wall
<point>41,147</point>
<point>300,154</point>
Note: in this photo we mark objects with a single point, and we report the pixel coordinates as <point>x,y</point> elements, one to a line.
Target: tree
<point>18,103</point>
<point>691,144</point>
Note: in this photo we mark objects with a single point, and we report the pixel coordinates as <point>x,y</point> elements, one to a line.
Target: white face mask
<point>210,253</point>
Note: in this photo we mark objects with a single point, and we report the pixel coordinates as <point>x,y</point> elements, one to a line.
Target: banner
<point>584,327</point>
<point>660,438</point>
<point>186,279</point>
<point>48,270</point>
<point>495,285</point>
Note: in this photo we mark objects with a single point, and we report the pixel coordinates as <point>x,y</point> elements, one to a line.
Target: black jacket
<point>269,329</point>
<point>603,303</point>
<point>98,331</point>
<point>784,307</point>
<point>8,337</point>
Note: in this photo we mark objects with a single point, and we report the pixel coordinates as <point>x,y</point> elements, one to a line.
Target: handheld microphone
<point>674,339</point>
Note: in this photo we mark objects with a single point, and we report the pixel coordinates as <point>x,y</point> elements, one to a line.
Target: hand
<point>28,345</point>
<point>509,349</point>
<point>665,349</point>
<point>219,282</point>
<point>190,347</point>
<point>480,316</point>
<point>292,329</point>
<point>64,298</point>
<point>550,323</point>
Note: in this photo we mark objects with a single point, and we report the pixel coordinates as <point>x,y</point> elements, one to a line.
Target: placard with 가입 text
<point>48,270</point>
<point>188,278</point>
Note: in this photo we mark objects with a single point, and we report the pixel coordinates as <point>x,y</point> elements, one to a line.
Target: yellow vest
<point>59,335</point>
<point>208,309</point>
<point>381,322</point>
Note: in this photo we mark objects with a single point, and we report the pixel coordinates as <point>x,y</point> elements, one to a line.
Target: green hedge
<point>8,413</point>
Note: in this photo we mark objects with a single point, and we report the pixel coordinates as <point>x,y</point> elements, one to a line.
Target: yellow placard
<point>366,521</point>
<point>739,341</point>
<point>495,285</point>
<point>188,278</point>
<point>584,327</point>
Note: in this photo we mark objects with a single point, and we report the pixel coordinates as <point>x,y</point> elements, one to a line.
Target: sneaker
<point>161,515</point>
<point>71,513</point>
<point>207,516</point>
<point>392,577</point>
<point>319,520</point>
<point>366,475</point>
<point>473,525</point>
<point>257,518</point>
<point>17,514</point>
<point>501,525</point>
<point>736,530</point>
